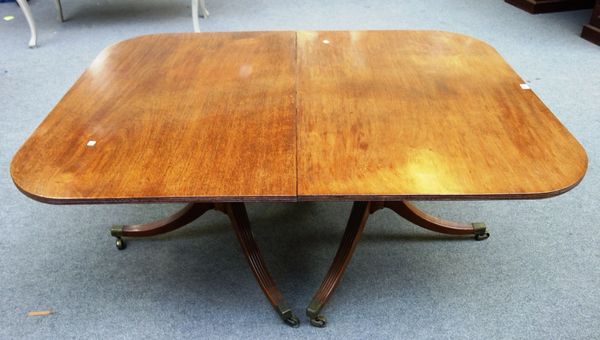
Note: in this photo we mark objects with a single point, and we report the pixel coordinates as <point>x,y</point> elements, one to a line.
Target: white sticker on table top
<point>525,87</point>
<point>91,143</point>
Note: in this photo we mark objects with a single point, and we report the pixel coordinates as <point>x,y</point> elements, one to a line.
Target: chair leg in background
<point>61,17</point>
<point>195,19</point>
<point>29,17</point>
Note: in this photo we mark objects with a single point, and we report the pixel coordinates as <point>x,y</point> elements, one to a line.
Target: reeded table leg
<point>354,228</point>
<point>422,219</point>
<point>241,225</point>
<point>356,224</point>
<point>183,217</point>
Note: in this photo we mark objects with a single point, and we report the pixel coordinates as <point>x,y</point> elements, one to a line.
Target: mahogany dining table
<point>379,118</point>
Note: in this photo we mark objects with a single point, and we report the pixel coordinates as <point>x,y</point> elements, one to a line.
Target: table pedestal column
<point>356,224</point>
<point>241,225</point>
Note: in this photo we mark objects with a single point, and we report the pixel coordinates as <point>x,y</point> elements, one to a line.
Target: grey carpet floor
<point>537,277</point>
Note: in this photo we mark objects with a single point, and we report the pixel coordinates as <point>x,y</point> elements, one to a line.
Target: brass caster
<point>286,314</point>
<point>120,243</point>
<point>481,237</point>
<point>318,321</point>
<point>292,321</point>
<point>480,231</point>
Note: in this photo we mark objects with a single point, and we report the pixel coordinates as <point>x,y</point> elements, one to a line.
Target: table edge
<point>302,198</point>
<point>299,197</point>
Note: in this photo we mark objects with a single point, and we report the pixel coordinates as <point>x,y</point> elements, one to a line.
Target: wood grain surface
<point>175,117</point>
<point>223,117</point>
<point>423,115</point>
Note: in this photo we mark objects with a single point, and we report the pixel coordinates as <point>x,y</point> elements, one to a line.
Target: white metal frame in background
<point>29,17</point>
<point>27,12</point>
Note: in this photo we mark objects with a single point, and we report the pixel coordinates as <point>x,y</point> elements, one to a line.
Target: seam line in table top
<point>296,67</point>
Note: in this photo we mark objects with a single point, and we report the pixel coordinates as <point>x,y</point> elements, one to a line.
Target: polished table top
<point>286,116</point>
